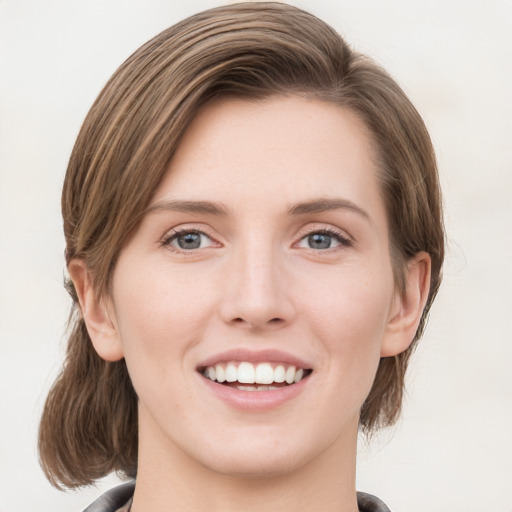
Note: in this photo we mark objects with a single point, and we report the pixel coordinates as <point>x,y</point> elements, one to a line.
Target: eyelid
<point>341,235</point>
<point>344,239</point>
<point>171,234</point>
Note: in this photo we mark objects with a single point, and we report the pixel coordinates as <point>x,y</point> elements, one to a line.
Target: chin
<point>270,455</point>
<point>260,467</point>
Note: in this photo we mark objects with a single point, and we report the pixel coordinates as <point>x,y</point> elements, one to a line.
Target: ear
<point>98,318</point>
<point>408,307</point>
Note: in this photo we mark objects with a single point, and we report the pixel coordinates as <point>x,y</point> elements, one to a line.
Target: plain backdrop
<point>452,449</point>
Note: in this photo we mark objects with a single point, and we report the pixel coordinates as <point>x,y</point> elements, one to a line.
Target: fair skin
<point>266,244</point>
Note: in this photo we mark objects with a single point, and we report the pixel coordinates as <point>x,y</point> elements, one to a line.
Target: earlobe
<point>98,319</point>
<point>407,311</point>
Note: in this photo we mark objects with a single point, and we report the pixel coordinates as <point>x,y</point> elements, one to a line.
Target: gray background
<point>452,450</point>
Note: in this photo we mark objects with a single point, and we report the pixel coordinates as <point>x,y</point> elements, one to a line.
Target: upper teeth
<point>248,373</point>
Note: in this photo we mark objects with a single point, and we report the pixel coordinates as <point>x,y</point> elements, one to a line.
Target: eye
<point>324,239</point>
<point>188,240</point>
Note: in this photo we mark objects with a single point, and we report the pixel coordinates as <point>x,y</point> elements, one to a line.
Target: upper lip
<point>255,356</point>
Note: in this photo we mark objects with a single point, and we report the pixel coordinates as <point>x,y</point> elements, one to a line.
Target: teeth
<point>290,375</point>
<point>220,373</point>
<point>279,374</point>
<point>246,388</point>
<point>231,372</point>
<point>264,374</point>
<point>248,373</point>
<point>256,388</point>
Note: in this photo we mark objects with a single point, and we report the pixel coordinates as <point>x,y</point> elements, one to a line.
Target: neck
<point>169,480</point>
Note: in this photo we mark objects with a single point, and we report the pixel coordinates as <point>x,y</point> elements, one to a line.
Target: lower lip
<point>255,400</point>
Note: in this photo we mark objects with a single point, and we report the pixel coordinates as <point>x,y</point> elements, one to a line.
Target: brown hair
<point>251,50</point>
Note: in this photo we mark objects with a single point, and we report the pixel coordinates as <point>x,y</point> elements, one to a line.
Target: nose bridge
<point>256,294</point>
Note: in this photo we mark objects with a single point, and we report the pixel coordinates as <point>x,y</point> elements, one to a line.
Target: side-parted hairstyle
<point>249,50</point>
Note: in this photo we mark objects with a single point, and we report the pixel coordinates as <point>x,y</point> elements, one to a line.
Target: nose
<point>257,294</point>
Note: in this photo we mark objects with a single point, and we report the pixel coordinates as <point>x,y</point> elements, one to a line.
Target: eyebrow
<point>218,209</point>
<point>205,207</point>
<point>325,205</point>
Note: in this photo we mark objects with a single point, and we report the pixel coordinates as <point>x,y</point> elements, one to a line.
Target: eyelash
<point>176,232</point>
<point>339,236</point>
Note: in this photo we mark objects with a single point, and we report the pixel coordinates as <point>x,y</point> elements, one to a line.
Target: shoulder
<point>113,499</point>
<point>369,503</point>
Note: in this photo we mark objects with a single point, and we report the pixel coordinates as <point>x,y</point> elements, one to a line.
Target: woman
<point>254,239</point>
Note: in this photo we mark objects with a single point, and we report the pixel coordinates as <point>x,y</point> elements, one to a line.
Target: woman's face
<point>264,256</point>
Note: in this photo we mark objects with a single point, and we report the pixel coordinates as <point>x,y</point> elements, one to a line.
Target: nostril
<point>255,323</point>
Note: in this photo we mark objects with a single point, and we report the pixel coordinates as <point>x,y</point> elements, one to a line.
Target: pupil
<point>319,241</point>
<point>189,241</point>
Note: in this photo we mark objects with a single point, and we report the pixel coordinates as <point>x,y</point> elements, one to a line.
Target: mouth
<point>246,376</point>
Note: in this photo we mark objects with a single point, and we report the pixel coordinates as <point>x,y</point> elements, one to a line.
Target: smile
<point>263,376</point>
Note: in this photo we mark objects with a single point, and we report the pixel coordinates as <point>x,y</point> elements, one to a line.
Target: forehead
<point>287,148</point>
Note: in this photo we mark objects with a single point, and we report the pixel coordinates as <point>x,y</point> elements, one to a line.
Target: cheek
<point>158,316</point>
<point>351,327</point>
<point>351,302</point>
<point>349,314</point>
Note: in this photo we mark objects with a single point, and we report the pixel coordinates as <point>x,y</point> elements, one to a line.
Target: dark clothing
<point>113,499</point>
<point>119,498</point>
<point>370,503</point>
